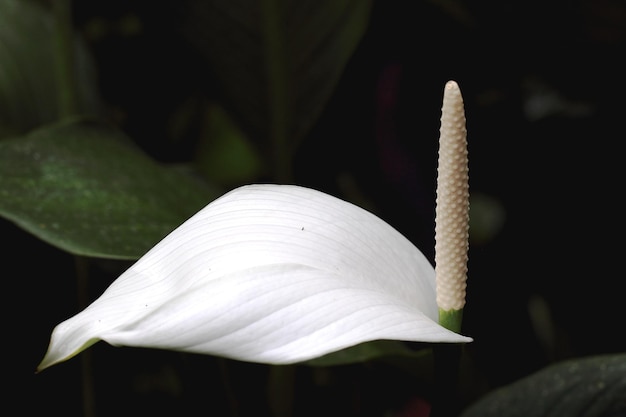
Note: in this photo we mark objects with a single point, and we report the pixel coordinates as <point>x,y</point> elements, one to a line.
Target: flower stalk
<point>452,211</point>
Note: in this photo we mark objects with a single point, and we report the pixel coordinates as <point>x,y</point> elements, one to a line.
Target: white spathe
<point>266,273</point>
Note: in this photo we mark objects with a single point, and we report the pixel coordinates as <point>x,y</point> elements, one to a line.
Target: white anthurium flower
<point>266,273</point>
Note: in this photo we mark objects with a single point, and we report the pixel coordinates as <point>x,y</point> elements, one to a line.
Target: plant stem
<point>228,387</point>
<point>278,97</point>
<point>64,37</point>
<point>446,402</point>
<point>451,319</point>
<point>281,390</point>
<point>82,280</point>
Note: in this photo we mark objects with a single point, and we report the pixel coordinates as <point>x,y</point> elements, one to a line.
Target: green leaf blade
<point>30,94</point>
<point>587,387</point>
<point>277,63</point>
<point>87,190</point>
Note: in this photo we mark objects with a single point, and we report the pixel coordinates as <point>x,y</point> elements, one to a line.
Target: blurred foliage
<point>593,386</point>
<point>277,63</point>
<point>276,77</point>
<point>89,190</point>
<point>177,101</point>
<point>30,94</point>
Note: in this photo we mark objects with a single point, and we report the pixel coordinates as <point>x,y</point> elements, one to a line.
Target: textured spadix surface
<point>452,213</point>
<point>266,273</point>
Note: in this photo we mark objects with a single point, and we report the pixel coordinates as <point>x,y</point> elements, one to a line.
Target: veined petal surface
<point>266,273</point>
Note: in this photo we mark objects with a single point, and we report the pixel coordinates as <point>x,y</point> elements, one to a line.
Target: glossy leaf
<point>29,88</point>
<point>586,387</point>
<point>224,154</point>
<point>369,351</point>
<point>276,62</point>
<point>87,189</point>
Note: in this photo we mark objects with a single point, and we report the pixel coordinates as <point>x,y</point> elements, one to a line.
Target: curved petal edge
<point>266,273</point>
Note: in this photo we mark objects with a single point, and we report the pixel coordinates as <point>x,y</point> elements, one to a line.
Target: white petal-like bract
<point>266,273</point>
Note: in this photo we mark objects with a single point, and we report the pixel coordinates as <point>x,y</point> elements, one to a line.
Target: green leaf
<point>276,62</point>
<point>88,190</point>
<point>29,89</point>
<point>224,153</point>
<point>588,387</point>
<point>369,351</point>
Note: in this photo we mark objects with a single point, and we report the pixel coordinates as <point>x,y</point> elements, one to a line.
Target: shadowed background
<point>544,104</point>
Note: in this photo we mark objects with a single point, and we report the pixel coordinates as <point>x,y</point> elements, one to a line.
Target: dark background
<point>542,83</point>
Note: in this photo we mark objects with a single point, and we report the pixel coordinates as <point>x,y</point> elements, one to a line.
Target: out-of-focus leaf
<point>276,62</point>
<point>588,387</point>
<point>487,218</point>
<point>88,190</point>
<point>368,351</point>
<point>29,88</point>
<point>224,153</point>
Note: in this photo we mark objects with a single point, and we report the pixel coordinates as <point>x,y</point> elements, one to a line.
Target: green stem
<point>228,387</point>
<point>446,401</point>
<point>278,97</point>
<point>451,319</point>
<point>447,367</point>
<point>82,280</point>
<point>64,39</point>
<point>281,390</point>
